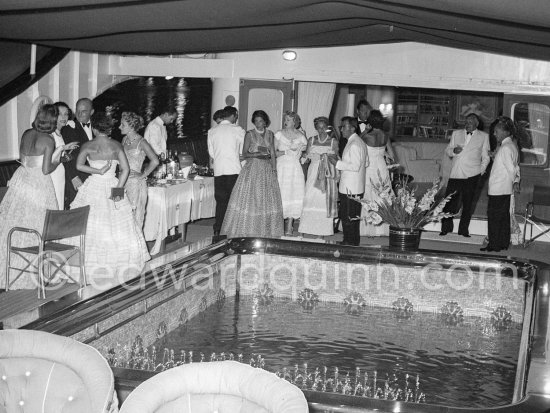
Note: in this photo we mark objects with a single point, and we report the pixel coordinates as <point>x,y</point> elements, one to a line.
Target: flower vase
<point>404,239</point>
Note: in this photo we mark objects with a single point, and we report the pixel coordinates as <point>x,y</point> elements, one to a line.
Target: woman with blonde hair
<point>136,149</point>
<point>290,142</point>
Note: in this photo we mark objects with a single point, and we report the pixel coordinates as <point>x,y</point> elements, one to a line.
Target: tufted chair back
<point>223,386</point>
<point>42,373</point>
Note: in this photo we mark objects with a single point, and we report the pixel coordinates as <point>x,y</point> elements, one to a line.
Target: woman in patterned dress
<point>316,218</point>
<point>115,247</point>
<point>289,144</point>
<point>255,208</point>
<point>136,149</point>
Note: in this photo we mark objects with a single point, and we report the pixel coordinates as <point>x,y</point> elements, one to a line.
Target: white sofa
<point>223,386</point>
<point>424,161</point>
<point>43,372</point>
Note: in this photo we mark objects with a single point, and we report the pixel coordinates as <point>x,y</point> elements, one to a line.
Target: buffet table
<point>176,203</point>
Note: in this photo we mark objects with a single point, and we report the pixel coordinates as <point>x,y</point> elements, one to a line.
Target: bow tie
<point>86,124</point>
<point>364,122</point>
<point>469,133</point>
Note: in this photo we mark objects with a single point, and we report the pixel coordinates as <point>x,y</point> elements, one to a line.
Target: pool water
<point>469,363</point>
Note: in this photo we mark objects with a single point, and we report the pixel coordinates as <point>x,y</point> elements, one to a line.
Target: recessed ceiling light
<point>290,55</point>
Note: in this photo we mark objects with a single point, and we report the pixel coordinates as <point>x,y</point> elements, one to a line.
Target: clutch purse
<point>66,157</point>
<point>117,193</point>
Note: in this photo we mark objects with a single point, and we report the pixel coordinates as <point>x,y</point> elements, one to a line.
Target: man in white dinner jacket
<point>352,180</point>
<point>225,144</point>
<point>469,150</point>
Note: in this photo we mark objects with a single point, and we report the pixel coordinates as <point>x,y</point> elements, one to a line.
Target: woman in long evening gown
<point>289,145</point>
<point>115,247</point>
<point>316,218</point>
<point>30,194</point>
<point>136,149</point>
<point>377,169</point>
<point>58,175</point>
<point>255,208</point>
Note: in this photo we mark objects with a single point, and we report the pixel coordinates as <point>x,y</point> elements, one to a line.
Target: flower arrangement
<point>404,210</point>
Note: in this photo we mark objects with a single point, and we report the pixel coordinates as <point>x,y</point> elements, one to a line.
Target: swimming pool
<point>446,306</point>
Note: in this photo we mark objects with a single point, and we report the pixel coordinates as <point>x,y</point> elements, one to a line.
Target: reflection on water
<point>470,364</point>
<point>148,95</point>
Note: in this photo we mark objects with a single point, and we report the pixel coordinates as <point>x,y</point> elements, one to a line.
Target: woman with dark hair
<point>30,192</point>
<point>136,149</point>
<point>115,247</point>
<point>377,145</point>
<point>255,208</point>
<point>64,114</point>
<point>321,194</point>
<point>290,142</point>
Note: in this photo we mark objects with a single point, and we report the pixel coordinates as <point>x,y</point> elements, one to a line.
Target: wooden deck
<point>19,302</point>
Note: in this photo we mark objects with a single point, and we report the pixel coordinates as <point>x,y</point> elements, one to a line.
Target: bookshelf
<point>423,114</point>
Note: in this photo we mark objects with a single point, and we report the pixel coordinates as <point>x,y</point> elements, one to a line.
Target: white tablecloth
<point>177,204</point>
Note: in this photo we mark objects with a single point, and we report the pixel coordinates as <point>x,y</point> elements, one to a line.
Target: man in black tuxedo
<point>79,131</point>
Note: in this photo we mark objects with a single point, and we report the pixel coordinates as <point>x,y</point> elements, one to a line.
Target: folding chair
<point>541,197</point>
<point>57,226</point>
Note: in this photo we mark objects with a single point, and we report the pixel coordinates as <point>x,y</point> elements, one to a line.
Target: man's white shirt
<point>156,135</point>
<point>225,144</point>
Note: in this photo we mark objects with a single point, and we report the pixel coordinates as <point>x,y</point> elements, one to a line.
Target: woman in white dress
<point>115,247</point>
<point>289,145</point>
<point>377,142</point>
<point>317,218</point>
<point>30,193</point>
<point>58,175</point>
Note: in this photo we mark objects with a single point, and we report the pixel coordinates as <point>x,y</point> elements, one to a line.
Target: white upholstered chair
<point>223,387</point>
<point>43,372</point>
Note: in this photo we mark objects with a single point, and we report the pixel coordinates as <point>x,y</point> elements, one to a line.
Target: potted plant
<point>404,212</point>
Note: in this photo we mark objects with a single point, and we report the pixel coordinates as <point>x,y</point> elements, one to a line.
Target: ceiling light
<point>290,55</point>
<point>168,77</point>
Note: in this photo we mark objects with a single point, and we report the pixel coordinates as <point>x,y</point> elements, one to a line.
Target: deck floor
<point>17,301</point>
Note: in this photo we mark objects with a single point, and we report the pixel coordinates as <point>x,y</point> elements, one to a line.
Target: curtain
<point>314,99</point>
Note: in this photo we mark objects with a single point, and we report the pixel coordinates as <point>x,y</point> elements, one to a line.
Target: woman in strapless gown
<point>377,169</point>
<point>29,195</point>
<point>255,208</point>
<point>136,149</point>
<point>115,247</point>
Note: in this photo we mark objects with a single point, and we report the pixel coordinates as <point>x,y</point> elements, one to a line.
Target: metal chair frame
<point>541,197</point>
<point>49,252</point>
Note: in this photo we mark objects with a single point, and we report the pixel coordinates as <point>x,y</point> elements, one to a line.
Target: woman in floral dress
<point>289,144</point>
<point>255,208</point>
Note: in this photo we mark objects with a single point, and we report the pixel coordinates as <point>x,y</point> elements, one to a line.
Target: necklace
<point>129,141</point>
<point>323,141</point>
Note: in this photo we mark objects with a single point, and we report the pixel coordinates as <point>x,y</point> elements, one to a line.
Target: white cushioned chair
<point>43,372</point>
<point>223,387</point>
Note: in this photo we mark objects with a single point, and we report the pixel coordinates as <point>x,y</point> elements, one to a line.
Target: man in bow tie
<point>469,150</point>
<point>79,131</point>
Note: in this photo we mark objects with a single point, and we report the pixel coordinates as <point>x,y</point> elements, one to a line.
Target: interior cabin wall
<point>77,75</point>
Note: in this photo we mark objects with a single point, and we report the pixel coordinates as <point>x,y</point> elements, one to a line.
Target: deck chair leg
<point>42,288</point>
<point>8,268</point>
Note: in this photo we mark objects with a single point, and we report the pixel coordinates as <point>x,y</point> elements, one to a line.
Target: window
<point>533,123</point>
